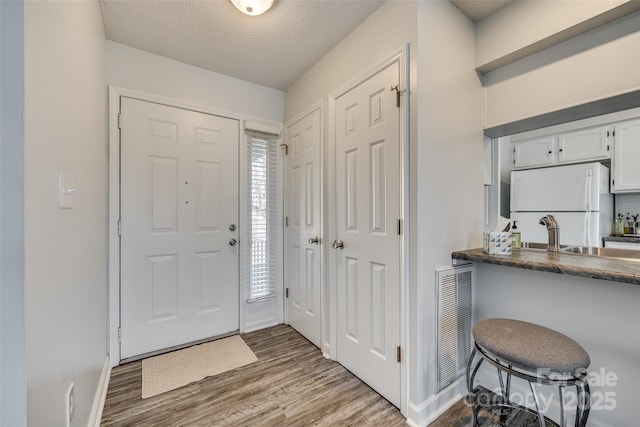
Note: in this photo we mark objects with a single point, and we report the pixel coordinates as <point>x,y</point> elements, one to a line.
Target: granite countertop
<point>617,270</point>
<point>628,239</point>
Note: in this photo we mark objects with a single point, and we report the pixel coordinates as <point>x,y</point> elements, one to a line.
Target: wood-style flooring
<point>291,384</point>
<point>459,415</point>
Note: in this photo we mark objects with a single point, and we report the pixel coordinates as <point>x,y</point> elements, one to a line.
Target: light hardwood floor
<point>291,384</point>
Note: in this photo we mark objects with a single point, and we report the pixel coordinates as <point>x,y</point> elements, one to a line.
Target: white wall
<point>449,174</point>
<point>392,25</point>
<point>600,315</point>
<point>596,65</point>
<point>146,72</point>
<point>388,28</point>
<point>529,22</point>
<point>13,390</point>
<point>446,151</point>
<point>65,250</point>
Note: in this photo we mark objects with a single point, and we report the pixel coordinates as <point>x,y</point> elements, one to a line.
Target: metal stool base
<point>578,381</point>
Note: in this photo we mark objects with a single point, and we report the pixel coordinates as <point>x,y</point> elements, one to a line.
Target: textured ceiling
<point>477,10</point>
<point>273,49</point>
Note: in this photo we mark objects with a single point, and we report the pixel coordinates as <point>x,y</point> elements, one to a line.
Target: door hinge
<point>286,221</point>
<point>607,147</point>
<point>398,354</point>
<point>119,335</point>
<point>399,227</point>
<point>286,293</point>
<point>608,134</point>
<point>119,227</point>
<point>613,133</point>
<point>613,182</point>
<point>119,120</point>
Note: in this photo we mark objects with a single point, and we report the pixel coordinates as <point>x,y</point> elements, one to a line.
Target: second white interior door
<point>303,243</point>
<point>368,208</point>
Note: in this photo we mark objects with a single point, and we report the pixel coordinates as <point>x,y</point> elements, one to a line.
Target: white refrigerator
<point>577,195</point>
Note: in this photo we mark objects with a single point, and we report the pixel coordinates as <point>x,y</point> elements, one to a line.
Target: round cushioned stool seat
<point>530,347</point>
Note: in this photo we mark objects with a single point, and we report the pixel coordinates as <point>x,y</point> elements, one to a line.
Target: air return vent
<point>454,321</point>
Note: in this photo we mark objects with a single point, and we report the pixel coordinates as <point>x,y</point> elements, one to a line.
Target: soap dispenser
<point>618,226</point>
<point>516,243</point>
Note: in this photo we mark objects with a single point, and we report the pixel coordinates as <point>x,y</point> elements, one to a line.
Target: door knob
<point>233,242</point>
<point>314,240</point>
<point>338,244</point>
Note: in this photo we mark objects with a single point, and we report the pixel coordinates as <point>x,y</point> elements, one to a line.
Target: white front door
<point>368,207</point>
<point>303,243</point>
<point>179,198</point>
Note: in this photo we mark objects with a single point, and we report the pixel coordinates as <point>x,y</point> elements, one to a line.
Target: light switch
<point>67,190</point>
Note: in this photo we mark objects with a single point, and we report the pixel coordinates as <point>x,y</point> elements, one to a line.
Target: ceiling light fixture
<point>253,7</point>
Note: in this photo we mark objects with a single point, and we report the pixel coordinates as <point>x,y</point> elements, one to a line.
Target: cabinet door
<point>583,145</point>
<point>626,157</point>
<point>534,152</point>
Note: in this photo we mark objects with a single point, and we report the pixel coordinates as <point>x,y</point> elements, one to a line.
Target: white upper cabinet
<point>535,152</point>
<point>584,145</point>
<point>626,158</point>
<point>571,147</point>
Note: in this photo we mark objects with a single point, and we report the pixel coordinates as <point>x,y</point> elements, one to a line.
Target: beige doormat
<point>179,368</point>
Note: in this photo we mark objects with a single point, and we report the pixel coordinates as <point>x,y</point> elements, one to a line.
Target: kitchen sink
<point>586,250</point>
<point>616,253</point>
<point>535,245</point>
<point>627,254</point>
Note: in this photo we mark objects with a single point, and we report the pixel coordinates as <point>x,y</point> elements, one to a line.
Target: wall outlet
<point>70,404</point>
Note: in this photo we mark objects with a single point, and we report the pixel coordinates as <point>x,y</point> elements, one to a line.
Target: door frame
<point>115,92</point>
<point>401,56</point>
<point>318,105</point>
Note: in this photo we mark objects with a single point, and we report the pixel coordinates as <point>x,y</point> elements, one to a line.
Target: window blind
<point>263,216</point>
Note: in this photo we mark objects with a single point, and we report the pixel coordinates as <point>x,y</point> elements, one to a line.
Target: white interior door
<point>303,241</point>
<point>179,197</point>
<point>368,207</point>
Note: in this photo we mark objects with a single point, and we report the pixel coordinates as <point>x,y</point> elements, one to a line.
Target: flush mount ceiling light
<point>253,7</point>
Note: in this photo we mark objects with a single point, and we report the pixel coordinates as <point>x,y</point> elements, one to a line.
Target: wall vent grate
<point>454,301</point>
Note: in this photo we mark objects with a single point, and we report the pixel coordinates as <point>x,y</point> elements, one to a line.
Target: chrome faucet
<point>554,232</point>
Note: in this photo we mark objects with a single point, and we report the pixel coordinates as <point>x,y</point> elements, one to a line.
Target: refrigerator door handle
<point>588,182</point>
<point>587,229</point>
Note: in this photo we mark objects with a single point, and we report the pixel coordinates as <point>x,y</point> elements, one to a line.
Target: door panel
<point>303,256</point>
<point>368,187</point>
<point>179,276</point>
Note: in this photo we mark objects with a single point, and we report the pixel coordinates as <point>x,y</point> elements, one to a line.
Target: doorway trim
<point>401,56</point>
<point>115,92</point>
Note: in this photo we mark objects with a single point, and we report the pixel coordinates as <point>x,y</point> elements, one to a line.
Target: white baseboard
<point>101,395</point>
<point>423,414</point>
<point>254,326</point>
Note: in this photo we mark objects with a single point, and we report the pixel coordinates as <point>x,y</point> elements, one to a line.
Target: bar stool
<point>534,353</point>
